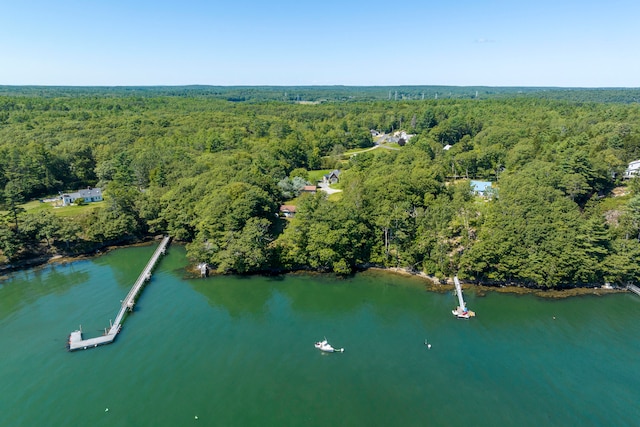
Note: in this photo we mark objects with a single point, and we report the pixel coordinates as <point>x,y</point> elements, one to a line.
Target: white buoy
<point>106,410</point>
<point>428,345</point>
<point>196,417</point>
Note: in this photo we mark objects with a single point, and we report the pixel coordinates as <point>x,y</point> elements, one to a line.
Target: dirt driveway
<point>325,187</point>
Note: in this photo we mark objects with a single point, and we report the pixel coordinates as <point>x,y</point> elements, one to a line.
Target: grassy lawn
<point>69,211</point>
<point>35,206</point>
<point>296,200</point>
<point>337,186</point>
<point>317,175</point>
<point>614,203</point>
<point>293,202</point>
<point>335,197</point>
<point>63,211</point>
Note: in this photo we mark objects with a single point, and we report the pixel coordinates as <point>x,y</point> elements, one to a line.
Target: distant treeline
<point>211,166</point>
<point>332,93</point>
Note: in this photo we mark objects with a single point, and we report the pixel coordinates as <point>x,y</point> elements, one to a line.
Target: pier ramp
<point>76,342</point>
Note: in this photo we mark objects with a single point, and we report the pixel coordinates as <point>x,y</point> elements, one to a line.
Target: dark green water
<point>239,352</point>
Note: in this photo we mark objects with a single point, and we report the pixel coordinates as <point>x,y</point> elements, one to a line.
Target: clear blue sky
<point>328,42</point>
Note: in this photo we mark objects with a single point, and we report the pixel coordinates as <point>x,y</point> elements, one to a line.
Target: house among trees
<point>332,177</point>
<point>309,189</point>
<point>288,210</point>
<point>481,188</point>
<point>401,137</point>
<point>633,170</point>
<point>88,195</point>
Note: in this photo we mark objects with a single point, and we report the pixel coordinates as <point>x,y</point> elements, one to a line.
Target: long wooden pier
<point>75,339</point>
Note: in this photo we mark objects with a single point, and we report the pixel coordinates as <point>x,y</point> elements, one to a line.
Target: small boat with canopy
<point>326,347</point>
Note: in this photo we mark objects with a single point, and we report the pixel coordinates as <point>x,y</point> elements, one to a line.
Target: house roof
<point>85,193</point>
<point>309,188</point>
<point>287,208</point>
<point>90,192</point>
<point>634,165</point>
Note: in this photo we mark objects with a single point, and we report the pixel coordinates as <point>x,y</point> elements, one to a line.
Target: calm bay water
<point>238,351</point>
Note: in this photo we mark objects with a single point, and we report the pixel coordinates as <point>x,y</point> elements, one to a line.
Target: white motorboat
<point>326,347</point>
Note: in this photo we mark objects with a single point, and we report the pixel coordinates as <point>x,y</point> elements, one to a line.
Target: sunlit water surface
<point>238,351</point>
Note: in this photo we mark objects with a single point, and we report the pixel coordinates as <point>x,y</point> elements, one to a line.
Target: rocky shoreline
<point>437,285</point>
<point>432,283</point>
<point>44,260</point>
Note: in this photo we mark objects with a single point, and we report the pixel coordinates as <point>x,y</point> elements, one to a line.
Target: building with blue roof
<point>482,188</point>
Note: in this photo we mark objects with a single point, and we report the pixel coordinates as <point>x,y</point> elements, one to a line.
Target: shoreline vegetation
<point>431,283</point>
<point>436,285</point>
<point>45,260</point>
<point>505,186</point>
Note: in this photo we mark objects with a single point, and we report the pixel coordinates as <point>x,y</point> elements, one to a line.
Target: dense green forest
<point>210,166</point>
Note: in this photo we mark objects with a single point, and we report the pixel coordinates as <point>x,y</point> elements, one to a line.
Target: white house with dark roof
<point>332,177</point>
<point>88,195</point>
<point>403,135</point>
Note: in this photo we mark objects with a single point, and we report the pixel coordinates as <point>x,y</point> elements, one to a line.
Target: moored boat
<point>326,347</point>
<point>463,313</point>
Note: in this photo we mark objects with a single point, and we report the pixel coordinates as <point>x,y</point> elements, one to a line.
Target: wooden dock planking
<point>75,338</point>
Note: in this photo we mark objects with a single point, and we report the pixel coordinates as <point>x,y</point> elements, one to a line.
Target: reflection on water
<point>125,265</point>
<point>324,294</point>
<point>26,287</point>
<point>238,295</point>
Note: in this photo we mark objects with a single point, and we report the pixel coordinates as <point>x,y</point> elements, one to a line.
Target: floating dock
<point>75,338</point>
<point>634,289</point>
<point>461,311</point>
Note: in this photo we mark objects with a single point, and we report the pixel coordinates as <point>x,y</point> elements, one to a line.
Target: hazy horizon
<point>198,85</point>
